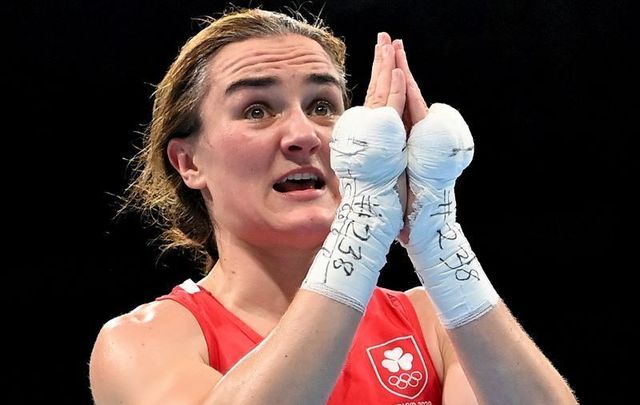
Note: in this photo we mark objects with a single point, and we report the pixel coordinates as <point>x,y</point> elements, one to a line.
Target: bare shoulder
<point>421,302</point>
<point>149,325</point>
<point>133,352</point>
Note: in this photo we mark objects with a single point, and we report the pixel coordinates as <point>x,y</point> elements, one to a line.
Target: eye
<point>256,112</point>
<point>322,108</point>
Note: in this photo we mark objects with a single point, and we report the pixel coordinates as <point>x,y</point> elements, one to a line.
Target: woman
<point>239,162</point>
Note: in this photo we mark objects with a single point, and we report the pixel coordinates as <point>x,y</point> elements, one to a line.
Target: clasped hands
<point>438,149</point>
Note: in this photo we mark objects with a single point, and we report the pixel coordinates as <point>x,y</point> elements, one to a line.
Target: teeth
<point>300,176</point>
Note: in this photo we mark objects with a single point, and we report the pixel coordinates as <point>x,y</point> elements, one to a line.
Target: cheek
<point>326,139</point>
<point>325,154</point>
<point>239,154</point>
<point>250,157</point>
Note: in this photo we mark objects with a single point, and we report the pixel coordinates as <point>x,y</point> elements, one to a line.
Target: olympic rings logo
<point>406,380</point>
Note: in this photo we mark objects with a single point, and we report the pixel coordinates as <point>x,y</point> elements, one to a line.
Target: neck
<point>259,281</point>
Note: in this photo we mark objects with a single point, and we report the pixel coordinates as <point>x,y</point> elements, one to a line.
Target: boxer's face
<point>262,156</point>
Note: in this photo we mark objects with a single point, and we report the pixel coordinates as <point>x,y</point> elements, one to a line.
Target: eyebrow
<point>267,81</point>
<point>323,78</point>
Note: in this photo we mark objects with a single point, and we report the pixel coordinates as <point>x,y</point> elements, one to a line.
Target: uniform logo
<point>399,366</point>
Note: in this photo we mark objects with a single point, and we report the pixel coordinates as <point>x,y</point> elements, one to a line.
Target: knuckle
<point>378,99</point>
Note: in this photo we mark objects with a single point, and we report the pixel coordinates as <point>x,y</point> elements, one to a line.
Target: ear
<point>181,156</point>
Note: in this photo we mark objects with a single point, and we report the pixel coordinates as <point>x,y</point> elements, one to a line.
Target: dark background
<point>548,89</point>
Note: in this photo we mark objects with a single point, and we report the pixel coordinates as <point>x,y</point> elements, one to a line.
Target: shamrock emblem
<point>395,360</point>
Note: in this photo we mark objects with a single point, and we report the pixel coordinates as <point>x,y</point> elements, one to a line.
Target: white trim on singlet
<point>189,286</point>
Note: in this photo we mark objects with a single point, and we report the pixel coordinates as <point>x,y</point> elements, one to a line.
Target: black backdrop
<point>548,89</point>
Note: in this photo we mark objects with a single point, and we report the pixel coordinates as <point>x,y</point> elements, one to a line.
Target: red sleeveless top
<point>388,362</point>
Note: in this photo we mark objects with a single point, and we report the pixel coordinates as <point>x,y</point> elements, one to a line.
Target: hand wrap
<point>439,149</point>
<point>367,155</point>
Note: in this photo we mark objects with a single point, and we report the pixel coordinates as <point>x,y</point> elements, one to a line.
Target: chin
<point>307,232</point>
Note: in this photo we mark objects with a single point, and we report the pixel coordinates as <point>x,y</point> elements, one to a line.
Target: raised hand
<point>439,148</point>
<point>387,86</point>
<point>368,155</point>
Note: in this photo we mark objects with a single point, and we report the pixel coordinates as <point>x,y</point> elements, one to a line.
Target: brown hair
<point>157,189</point>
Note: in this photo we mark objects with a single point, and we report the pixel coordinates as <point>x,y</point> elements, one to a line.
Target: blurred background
<point>548,88</point>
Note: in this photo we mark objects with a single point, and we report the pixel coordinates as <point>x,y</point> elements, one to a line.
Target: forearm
<point>299,362</point>
<point>500,362</point>
<point>503,365</point>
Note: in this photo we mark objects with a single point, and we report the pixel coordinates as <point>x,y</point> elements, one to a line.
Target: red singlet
<point>388,362</point>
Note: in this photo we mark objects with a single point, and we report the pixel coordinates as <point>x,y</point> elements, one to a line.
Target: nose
<point>300,138</point>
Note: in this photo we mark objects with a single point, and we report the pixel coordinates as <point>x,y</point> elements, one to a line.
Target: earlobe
<point>180,153</point>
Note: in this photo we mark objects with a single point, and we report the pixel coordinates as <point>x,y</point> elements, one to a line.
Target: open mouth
<point>299,181</point>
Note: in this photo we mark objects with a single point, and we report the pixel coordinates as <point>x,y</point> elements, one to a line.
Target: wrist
<point>445,263</point>
<point>347,266</point>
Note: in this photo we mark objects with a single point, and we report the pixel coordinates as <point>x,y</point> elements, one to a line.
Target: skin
<point>266,240</point>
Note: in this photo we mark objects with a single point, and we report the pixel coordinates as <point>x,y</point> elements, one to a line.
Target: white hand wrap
<point>440,148</point>
<point>367,155</point>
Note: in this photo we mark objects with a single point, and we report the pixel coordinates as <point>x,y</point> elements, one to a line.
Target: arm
<point>504,364</point>
<point>488,355</point>
<point>156,355</point>
<point>485,352</point>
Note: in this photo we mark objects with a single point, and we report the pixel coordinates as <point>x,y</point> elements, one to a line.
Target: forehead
<point>269,56</point>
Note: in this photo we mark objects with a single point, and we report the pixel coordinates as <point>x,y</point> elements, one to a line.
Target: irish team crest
<point>399,366</point>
